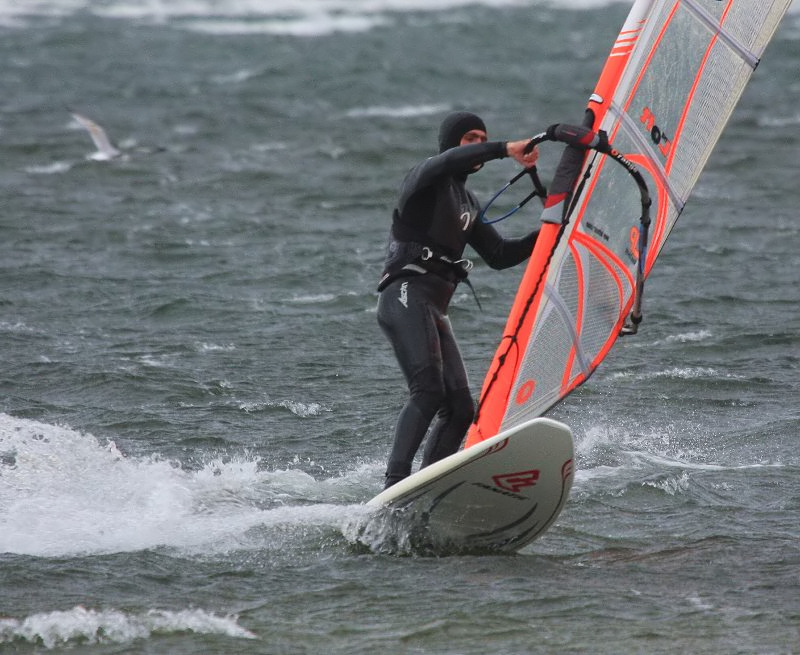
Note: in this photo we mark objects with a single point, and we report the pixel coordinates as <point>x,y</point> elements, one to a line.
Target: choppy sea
<point>195,399</point>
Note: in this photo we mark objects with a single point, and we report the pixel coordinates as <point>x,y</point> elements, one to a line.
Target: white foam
<point>671,485</point>
<point>402,111</point>
<point>689,337</point>
<point>214,347</point>
<point>290,17</point>
<point>295,407</point>
<point>682,461</point>
<point>62,492</point>
<point>87,626</point>
<point>675,373</point>
<point>307,26</point>
<point>49,169</point>
<point>779,121</point>
<point>313,299</point>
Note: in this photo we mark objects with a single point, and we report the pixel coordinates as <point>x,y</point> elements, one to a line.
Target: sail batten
<point>671,81</point>
<point>705,17</point>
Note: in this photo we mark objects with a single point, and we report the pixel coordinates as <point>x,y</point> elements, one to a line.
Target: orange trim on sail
<point>500,378</point>
<point>650,55</point>
<point>614,266</point>
<point>607,257</point>
<point>693,91</point>
<point>618,59</point>
<point>579,312</point>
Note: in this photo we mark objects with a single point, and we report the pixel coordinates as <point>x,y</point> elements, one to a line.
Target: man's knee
<point>427,391</point>
<point>462,406</point>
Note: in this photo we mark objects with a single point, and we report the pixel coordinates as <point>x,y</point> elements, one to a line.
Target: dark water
<point>195,399</point>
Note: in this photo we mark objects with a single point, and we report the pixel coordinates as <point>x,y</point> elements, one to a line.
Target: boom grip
<point>572,135</point>
<point>578,136</point>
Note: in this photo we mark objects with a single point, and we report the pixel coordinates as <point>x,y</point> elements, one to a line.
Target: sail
<point>669,86</point>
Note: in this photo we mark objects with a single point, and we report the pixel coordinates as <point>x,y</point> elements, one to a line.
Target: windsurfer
<point>436,217</point>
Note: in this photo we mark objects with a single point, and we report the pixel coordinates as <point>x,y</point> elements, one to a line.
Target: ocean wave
<point>303,410</point>
<point>82,626</point>
<point>403,111</point>
<point>49,169</point>
<point>615,461</point>
<point>779,121</point>
<point>689,337</point>
<point>310,18</point>
<point>674,373</point>
<point>671,485</point>
<point>288,17</point>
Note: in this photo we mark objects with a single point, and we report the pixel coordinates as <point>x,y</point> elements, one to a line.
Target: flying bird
<point>105,149</point>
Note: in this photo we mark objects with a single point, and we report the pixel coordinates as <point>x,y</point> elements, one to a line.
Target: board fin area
<point>496,496</point>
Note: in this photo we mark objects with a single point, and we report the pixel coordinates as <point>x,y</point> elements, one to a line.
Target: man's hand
<point>516,150</point>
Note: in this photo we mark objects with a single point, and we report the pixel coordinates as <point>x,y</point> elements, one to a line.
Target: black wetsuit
<point>436,217</point>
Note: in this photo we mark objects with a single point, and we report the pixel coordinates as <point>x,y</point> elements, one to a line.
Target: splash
<point>676,458</point>
<point>63,492</point>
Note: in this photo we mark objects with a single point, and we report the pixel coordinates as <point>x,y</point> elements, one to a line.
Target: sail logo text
<point>657,135</point>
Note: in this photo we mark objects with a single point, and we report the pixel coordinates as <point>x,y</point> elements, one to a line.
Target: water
<point>195,396</point>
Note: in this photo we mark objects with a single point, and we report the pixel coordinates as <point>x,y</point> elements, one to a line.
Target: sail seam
<point>711,23</point>
<point>554,297</point>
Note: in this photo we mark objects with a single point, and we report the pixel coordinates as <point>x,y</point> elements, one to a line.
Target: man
<point>435,218</point>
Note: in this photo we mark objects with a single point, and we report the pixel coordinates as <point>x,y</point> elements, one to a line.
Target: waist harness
<point>412,258</point>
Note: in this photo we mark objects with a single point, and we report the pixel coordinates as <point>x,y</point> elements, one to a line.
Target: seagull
<point>105,150</point>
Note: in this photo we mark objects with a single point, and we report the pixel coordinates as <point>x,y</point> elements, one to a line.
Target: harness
<point>413,258</point>
<point>425,260</point>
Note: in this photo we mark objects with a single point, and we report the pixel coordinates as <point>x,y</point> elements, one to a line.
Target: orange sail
<point>669,86</point>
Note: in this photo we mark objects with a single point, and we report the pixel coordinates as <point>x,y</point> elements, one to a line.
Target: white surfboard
<point>497,495</point>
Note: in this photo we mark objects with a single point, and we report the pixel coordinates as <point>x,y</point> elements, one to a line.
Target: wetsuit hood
<point>455,126</point>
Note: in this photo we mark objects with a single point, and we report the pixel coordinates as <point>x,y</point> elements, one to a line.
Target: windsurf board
<point>497,495</point>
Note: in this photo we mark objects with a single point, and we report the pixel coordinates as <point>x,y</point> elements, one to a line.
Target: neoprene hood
<point>455,126</point>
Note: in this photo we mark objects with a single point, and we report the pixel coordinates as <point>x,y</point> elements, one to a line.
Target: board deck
<point>497,495</point>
